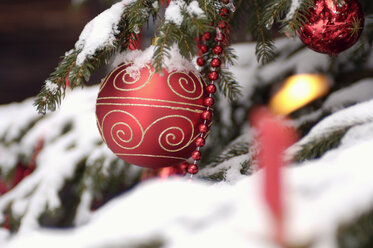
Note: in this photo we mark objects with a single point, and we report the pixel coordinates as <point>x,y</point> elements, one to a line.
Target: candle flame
<point>298,90</point>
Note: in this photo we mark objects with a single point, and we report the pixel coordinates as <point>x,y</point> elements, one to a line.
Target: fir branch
<point>265,45</point>
<point>182,35</point>
<point>274,11</point>
<point>228,86</point>
<point>162,46</point>
<point>294,21</point>
<point>235,150</point>
<point>357,233</point>
<point>317,148</point>
<point>133,18</point>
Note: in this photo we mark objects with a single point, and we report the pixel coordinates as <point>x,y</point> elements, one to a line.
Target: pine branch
<point>133,18</point>
<point>274,11</point>
<point>237,149</point>
<point>228,86</point>
<point>265,45</point>
<point>317,148</point>
<point>183,35</point>
<point>294,21</point>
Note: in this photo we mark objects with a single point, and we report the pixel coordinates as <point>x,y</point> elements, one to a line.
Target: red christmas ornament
<point>148,119</point>
<point>332,27</point>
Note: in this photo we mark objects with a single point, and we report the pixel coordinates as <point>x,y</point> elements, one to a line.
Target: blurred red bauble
<point>148,119</point>
<point>332,27</point>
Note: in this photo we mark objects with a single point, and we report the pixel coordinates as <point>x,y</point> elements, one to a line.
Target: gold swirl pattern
<point>124,78</point>
<point>189,86</point>
<point>122,132</point>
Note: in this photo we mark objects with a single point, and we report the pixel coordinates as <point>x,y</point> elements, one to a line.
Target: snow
<point>352,116</point>
<point>194,10</point>
<point>295,4</point>
<point>100,32</point>
<point>51,87</point>
<point>56,162</point>
<point>321,195</point>
<point>360,91</point>
<point>174,62</point>
<point>173,12</point>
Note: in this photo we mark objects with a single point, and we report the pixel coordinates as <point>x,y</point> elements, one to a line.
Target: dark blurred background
<point>34,34</point>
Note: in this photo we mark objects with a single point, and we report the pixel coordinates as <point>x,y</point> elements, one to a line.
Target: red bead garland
<point>208,101</point>
<point>217,50</point>
<point>196,155</point>
<point>213,75</point>
<point>203,48</point>
<point>211,88</point>
<point>203,128</point>
<point>200,61</point>
<point>206,36</point>
<point>200,142</point>
<point>215,62</point>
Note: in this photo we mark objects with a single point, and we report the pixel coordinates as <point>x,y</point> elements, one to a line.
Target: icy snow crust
<point>321,194</point>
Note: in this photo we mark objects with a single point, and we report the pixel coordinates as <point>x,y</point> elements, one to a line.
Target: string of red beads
<point>213,75</point>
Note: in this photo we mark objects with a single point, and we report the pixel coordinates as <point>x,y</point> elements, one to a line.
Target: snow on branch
<point>100,32</point>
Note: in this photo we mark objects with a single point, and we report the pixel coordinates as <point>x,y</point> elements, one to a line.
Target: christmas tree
<point>222,167</point>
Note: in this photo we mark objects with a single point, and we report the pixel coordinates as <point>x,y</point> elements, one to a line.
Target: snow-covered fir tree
<point>61,186</point>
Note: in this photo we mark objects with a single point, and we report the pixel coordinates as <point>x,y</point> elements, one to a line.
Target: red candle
<point>273,138</point>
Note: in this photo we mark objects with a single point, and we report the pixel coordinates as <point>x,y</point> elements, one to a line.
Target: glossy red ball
<point>215,62</point>
<point>213,75</point>
<point>217,50</point>
<point>332,27</point>
<point>206,36</point>
<point>206,115</point>
<point>224,12</point>
<point>203,128</point>
<point>203,48</point>
<point>211,88</point>
<point>200,141</point>
<point>193,169</point>
<point>196,155</point>
<point>149,119</point>
<point>208,101</point>
<point>200,61</point>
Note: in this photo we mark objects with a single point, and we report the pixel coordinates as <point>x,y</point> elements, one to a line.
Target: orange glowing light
<point>298,90</point>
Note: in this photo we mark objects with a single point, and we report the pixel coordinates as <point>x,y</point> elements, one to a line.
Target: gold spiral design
<point>173,136</point>
<point>121,132</point>
<point>120,81</point>
<point>183,80</point>
<point>118,134</point>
